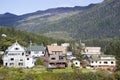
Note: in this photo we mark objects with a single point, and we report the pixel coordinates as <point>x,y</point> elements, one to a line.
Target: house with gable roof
<point>55,57</point>
<point>103,62</point>
<point>36,51</point>
<point>17,56</point>
<point>89,51</point>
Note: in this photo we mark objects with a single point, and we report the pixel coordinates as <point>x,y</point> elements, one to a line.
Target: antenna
<point>80,41</point>
<point>30,44</point>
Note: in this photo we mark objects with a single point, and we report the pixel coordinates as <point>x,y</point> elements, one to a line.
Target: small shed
<point>76,63</point>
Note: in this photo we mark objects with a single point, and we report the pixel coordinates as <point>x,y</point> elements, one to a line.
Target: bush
<point>40,61</point>
<point>49,70</point>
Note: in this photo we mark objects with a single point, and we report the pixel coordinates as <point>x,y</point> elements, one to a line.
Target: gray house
<point>36,51</point>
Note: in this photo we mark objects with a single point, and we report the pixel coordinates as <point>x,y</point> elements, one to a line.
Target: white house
<point>54,44</point>
<point>65,45</point>
<point>103,62</point>
<point>89,51</point>
<point>17,56</point>
<point>76,63</point>
<point>36,51</point>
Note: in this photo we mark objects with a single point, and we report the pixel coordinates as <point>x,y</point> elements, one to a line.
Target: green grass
<point>44,70</point>
<point>84,70</point>
<point>66,70</point>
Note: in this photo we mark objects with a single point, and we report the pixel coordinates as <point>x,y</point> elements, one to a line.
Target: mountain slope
<point>8,19</point>
<point>101,21</point>
<point>32,22</point>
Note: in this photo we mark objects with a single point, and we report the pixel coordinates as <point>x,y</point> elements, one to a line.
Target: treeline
<point>114,49</point>
<point>23,38</point>
<point>103,43</point>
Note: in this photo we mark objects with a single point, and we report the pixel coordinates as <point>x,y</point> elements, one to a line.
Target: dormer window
<point>16,48</point>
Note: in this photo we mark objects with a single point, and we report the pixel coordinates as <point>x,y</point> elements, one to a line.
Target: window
<point>92,61</point>
<point>61,57</point>
<point>12,59</point>
<point>21,59</point>
<point>87,50</point>
<point>27,58</point>
<point>29,52</point>
<point>16,48</point>
<point>112,62</point>
<point>42,52</point>
<point>20,64</point>
<point>55,53</point>
<point>12,54</point>
<point>52,58</point>
<point>105,62</point>
<point>5,64</point>
<point>76,63</point>
<point>11,64</point>
<point>22,54</point>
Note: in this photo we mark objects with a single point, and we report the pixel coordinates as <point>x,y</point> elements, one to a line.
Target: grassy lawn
<point>84,70</point>
<point>36,70</point>
<point>62,70</point>
<point>44,70</point>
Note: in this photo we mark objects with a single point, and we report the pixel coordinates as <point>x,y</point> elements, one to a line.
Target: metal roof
<point>36,48</point>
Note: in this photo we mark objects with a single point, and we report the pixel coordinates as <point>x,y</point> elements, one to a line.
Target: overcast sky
<point>27,6</point>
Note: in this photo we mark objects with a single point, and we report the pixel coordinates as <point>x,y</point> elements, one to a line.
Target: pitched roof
<point>98,58</point>
<point>16,44</point>
<point>107,56</point>
<point>93,48</point>
<point>56,48</point>
<point>36,48</point>
<point>94,58</point>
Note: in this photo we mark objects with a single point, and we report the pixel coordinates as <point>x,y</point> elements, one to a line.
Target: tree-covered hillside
<point>33,22</point>
<point>10,35</point>
<point>100,21</point>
